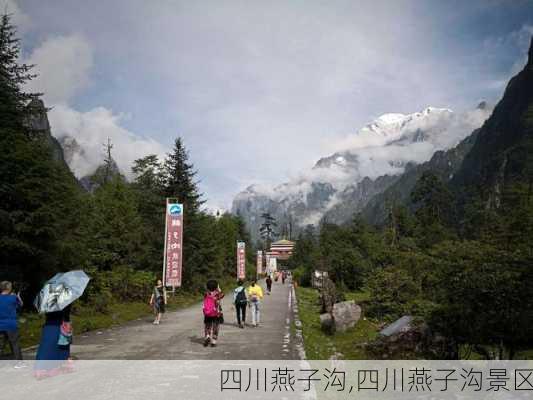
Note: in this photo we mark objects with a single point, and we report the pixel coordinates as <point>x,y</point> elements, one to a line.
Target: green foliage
<point>349,345</point>
<point>122,284</point>
<point>303,258</point>
<point>13,76</point>
<point>435,211</point>
<point>179,179</point>
<point>391,290</point>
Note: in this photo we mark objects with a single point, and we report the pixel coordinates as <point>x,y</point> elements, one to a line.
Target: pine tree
<point>148,189</point>
<point>180,179</point>
<point>13,76</point>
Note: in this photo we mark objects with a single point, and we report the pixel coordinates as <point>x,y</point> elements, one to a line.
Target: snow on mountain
<point>381,148</point>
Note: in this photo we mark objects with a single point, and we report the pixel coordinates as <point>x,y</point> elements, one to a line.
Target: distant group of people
<point>213,316</point>
<point>242,298</point>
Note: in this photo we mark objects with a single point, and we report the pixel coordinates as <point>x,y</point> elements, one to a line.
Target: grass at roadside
<point>320,346</point>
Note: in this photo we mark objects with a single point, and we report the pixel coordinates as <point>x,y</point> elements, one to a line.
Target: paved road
<point>180,335</point>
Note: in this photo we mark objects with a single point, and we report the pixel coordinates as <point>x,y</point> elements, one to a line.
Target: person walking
<point>212,312</point>
<point>158,301</point>
<point>9,305</point>
<point>255,294</point>
<point>269,284</point>
<point>241,301</point>
<point>283,277</point>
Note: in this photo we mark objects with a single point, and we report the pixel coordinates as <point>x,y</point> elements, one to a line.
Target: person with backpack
<point>241,301</point>
<point>255,294</point>
<point>212,312</point>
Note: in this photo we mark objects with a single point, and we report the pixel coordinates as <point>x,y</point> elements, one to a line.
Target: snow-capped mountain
<point>365,164</point>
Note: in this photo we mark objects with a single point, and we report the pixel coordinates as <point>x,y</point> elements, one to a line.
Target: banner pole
<point>165,247</point>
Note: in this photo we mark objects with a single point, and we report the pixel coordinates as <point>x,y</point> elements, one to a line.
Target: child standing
<point>212,313</point>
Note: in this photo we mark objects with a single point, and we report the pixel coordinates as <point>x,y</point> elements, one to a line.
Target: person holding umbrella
<point>55,300</point>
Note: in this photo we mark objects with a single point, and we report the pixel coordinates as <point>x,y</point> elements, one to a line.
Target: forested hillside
<point>50,223</point>
<point>455,244</point>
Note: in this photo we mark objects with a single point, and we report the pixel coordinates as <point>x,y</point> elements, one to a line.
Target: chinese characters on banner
<point>241,260</point>
<point>259,262</point>
<point>173,244</point>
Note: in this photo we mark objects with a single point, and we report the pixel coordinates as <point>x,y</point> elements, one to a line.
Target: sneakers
<point>20,365</point>
<point>156,322</point>
<point>206,341</point>
<point>213,343</point>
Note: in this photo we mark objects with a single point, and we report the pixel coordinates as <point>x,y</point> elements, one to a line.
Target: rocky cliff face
<point>66,149</point>
<point>371,160</point>
<point>37,122</point>
<point>501,154</point>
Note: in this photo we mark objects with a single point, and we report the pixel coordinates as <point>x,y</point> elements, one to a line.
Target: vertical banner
<point>173,244</point>
<point>259,262</point>
<point>241,260</point>
<point>267,263</point>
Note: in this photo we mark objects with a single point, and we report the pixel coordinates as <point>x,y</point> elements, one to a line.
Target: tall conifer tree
<point>180,179</point>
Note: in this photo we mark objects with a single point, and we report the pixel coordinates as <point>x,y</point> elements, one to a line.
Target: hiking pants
<point>255,312</point>
<point>13,339</point>
<point>241,313</point>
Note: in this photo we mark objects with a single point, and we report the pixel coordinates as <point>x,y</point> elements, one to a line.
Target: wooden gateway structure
<point>281,250</point>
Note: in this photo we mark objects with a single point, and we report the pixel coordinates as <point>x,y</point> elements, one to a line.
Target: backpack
<point>210,306</point>
<point>241,297</point>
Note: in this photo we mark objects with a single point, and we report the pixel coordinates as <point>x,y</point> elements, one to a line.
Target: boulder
<point>345,315</point>
<point>327,324</point>
<point>402,325</point>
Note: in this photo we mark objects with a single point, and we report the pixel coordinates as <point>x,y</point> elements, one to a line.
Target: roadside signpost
<point>173,256</point>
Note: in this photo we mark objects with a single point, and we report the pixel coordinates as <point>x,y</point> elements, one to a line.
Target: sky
<point>258,90</point>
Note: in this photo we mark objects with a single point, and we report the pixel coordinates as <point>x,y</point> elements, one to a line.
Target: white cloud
<point>91,130</point>
<point>20,19</point>
<point>63,65</point>
<point>257,89</point>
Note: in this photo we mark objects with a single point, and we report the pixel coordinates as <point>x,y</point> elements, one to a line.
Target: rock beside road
<point>345,315</point>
